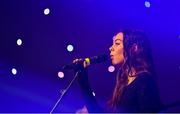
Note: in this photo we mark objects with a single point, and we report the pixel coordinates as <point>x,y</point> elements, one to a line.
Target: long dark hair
<point>137,57</point>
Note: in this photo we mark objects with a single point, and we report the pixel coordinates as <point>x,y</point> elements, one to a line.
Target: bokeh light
<point>147,4</point>
<point>93,93</point>
<point>46,11</point>
<point>60,74</point>
<point>111,68</point>
<point>19,42</point>
<point>70,48</point>
<point>13,71</point>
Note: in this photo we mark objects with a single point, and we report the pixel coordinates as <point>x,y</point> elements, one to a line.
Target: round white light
<point>60,74</point>
<point>147,4</point>
<point>93,93</point>
<point>19,42</point>
<point>46,11</point>
<point>111,68</point>
<point>14,71</point>
<point>70,48</point>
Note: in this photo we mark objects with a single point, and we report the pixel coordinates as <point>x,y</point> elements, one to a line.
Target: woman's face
<point>116,50</point>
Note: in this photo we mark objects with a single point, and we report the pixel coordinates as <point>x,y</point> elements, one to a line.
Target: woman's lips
<point>111,56</point>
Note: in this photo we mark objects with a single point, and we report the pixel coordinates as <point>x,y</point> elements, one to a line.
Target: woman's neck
<point>132,76</point>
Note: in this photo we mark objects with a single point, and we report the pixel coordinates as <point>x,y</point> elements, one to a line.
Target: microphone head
<point>68,66</point>
<point>99,58</point>
<point>92,60</point>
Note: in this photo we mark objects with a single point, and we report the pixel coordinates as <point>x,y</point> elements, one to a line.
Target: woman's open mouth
<point>111,56</point>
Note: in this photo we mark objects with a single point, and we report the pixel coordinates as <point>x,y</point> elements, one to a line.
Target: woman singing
<point>135,89</point>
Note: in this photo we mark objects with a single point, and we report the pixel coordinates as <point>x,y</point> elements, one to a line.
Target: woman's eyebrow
<point>118,40</point>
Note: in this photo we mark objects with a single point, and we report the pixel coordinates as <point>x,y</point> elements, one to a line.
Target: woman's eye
<point>117,43</point>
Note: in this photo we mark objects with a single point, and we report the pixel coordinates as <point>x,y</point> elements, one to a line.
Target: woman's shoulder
<point>145,78</point>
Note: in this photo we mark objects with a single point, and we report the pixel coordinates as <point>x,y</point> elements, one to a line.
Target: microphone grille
<point>99,58</point>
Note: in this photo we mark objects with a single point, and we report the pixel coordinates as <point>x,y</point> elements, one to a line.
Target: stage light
<point>147,4</point>
<point>93,93</point>
<point>60,74</point>
<point>70,48</point>
<point>19,42</point>
<point>111,68</point>
<point>46,11</point>
<point>14,71</point>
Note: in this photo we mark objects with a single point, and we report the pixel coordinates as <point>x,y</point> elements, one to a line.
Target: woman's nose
<point>110,48</point>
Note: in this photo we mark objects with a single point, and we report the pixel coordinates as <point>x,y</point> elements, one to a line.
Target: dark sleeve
<point>90,100</point>
<point>148,95</point>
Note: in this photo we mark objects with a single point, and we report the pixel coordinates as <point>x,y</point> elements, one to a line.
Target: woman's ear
<point>134,48</point>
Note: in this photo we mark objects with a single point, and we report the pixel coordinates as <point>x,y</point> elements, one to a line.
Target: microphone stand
<point>64,91</point>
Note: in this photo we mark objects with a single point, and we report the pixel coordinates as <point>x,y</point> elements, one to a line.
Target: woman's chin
<point>115,63</point>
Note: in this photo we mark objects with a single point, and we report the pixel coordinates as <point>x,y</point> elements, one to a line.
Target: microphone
<point>90,60</point>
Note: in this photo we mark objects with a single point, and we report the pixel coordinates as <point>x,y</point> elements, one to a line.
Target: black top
<point>139,96</point>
